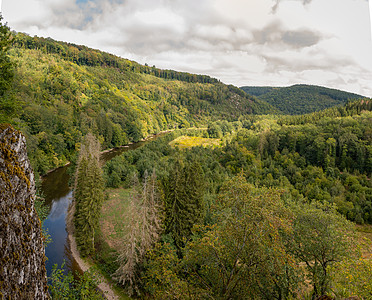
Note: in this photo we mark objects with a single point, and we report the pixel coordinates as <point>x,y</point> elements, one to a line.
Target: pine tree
<point>183,197</point>
<point>88,194</point>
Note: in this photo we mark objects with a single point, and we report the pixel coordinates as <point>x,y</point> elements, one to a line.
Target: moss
<point>12,165</point>
<point>18,248</point>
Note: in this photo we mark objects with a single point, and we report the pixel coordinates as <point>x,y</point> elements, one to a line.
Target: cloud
<point>301,63</point>
<point>276,36</point>
<point>237,41</point>
<point>276,6</point>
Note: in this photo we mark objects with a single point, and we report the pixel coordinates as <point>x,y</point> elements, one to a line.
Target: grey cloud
<point>325,63</point>
<point>305,38</point>
<point>201,29</point>
<point>276,36</point>
<point>276,6</point>
<point>63,14</point>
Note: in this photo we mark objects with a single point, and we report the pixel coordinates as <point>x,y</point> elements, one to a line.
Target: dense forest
<point>239,200</point>
<point>61,91</point>
<point>300,98</point>
<point>293,183</point>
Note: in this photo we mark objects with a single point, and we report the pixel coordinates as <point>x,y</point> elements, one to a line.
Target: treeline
<point>351,108</point>
<point>85,56</point>
<point>301,99</point>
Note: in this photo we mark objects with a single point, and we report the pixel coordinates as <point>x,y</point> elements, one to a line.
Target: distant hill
<point>300,98</point>
<point>63,91</point>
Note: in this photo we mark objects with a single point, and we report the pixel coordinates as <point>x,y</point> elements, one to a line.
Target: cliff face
<point>22,257</point>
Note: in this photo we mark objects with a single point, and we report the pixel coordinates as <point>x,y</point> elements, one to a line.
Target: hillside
<point>224,202</point>
<point>62,91</point>
<point>300,98</point>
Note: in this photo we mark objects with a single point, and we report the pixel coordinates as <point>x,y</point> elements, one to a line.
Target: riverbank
<point>109,150</point>
<point>104,286</point>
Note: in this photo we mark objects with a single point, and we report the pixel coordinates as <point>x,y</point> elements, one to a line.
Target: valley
<point>252,193</point>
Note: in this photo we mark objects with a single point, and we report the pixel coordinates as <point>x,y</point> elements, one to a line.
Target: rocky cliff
<point>22,265</point>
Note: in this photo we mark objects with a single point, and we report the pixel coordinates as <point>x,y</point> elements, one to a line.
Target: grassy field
<point>113,221</point>
<point>183,142</point>
<point>112,231</point>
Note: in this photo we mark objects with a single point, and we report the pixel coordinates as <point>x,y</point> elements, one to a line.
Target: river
<point>58,196</point>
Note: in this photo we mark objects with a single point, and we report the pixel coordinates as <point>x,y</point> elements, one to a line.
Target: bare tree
<point>143,229</point>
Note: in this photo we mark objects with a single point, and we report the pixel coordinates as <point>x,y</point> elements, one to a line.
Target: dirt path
<point>104,286</point>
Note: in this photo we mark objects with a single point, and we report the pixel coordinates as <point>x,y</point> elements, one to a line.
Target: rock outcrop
<point>22,254</point>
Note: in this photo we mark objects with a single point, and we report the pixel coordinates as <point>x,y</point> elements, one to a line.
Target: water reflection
<point>58,196</point>
<point>56,225</point>
<point>55,185</point>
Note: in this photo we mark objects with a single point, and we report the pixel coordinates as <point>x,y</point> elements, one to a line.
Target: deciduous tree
<point>7,104</point>
<point>321,237</point>
<point>243,254</point>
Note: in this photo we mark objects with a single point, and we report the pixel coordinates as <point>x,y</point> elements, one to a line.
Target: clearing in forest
<point>183,142</point>
<point>113,221</point>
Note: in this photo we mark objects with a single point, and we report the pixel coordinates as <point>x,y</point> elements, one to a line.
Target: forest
<point>248,217</point>
<point>301,98</point>
<point>60,93</point>
<point>241,199</point>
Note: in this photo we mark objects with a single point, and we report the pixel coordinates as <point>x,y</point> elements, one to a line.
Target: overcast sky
<point>242,42</point>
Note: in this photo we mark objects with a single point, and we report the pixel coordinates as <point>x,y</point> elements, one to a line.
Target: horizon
<point>252,44</point>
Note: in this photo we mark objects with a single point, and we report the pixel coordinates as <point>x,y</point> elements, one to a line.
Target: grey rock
<point>22,254</point>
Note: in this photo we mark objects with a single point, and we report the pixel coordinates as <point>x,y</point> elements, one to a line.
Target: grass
<point>113,221</point>
<point>112,231</point>
<point>365,239</point>
<point>184,142</point>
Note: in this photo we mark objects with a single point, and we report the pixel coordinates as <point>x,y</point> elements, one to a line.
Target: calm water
<point>58,196</point>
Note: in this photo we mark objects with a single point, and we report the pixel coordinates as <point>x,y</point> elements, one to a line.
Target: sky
<point>240,42</point>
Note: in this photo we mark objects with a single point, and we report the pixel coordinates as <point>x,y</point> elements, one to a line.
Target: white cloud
<point>370,15</point>
<point>239,42</point>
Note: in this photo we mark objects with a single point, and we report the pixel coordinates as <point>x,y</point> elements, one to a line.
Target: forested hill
<point>300,98</point>
<point>62,91</point>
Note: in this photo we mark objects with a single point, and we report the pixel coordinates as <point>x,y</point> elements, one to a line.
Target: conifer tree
<point>88,195</point>
<point>183,197</point>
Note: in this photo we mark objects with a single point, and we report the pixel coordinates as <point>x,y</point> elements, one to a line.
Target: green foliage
<point>161,277</point>
<point>352,278</point>
<point>257,90</point>
<point>183,199</point>
<point>42,211</point>
<point>320,239</point>
<point>88,195</point>
<point>352,108</point>
<point>63,91</point>
<point>66,287</point>
<point>243,255</point>
<point>300,98</point>
<point>198,251</point>
<point>214,131</point>
<point>7,103</point>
